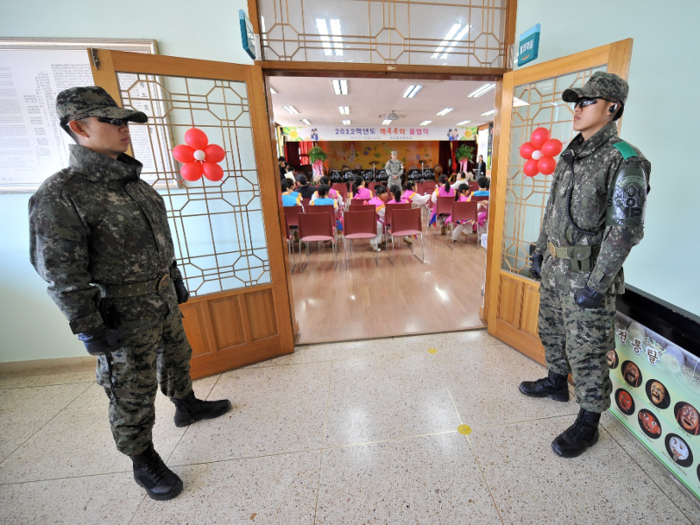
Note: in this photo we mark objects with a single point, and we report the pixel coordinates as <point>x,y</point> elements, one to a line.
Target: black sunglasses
<point>585,101</point>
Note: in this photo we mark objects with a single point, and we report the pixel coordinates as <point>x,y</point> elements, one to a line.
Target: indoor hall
<point>347,128</point>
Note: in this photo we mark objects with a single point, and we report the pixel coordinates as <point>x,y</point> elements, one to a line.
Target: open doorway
<point>358,123</point>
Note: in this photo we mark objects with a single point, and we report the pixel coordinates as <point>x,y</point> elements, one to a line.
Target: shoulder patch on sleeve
<point>625,149</point>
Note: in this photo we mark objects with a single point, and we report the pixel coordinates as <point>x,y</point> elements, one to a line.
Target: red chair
<point>482,198</point>
<point>390,208</point>
<point>342,189</point>
<point>420,190</point>
<point>324,208</point>
<point>473,186</point>
<point>316,227</point>
<point>291,220</point>
<point>360,225</point>
<point>407,223</point>
<point>462,212</point>
<point>443,207</point>
<point>371,187</point>
<point>429,187</point>
<point>360,207</point>
<point>358,202</point>
<point>305,203</point>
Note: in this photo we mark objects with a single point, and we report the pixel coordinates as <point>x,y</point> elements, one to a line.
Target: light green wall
<point>31,326</point>
<point>661,118</point>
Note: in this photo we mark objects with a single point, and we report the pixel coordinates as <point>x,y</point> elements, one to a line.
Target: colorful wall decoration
<point>395,132</point>
<point>360,154</point>
<point>656,396</point>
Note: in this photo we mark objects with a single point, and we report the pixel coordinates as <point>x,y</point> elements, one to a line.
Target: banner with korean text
<point>393,132</point>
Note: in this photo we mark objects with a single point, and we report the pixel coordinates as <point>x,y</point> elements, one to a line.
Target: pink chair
<point>316,227</point>
<point>360,225</point>
<point>462,212</point>
<point>358,202</point>
<point>341,188</point>
<point>429,187</point>
<point>407,223</point>
<point>390,208</point>
<point>359,207</point>
<point>482,198</point>
<point>324,208</point>
<point>291,220</point>
<point>443,206</point>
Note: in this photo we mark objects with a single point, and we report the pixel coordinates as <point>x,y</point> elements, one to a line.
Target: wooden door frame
<point>112,62</point>
<point>617,57</point>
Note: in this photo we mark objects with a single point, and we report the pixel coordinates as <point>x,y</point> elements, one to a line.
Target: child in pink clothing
<point>359,191</point>
<point>443,190</point>
<point>379,202</point>
<point>461,196</point>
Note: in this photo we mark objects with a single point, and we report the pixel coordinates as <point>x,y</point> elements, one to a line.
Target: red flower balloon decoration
<point>199,157</point>
<point>540,153</point>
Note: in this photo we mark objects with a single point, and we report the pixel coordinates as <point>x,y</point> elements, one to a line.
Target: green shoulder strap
<point>625,149</point>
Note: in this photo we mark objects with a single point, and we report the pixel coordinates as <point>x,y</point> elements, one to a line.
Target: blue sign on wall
<point>247,34</point>
<point>529,46</point>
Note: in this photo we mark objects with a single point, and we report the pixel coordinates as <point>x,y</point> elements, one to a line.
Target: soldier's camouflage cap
<point>92,101</point>
<point>601,85</point>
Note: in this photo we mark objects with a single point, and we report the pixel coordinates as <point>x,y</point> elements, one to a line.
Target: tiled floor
<point>361,432</point>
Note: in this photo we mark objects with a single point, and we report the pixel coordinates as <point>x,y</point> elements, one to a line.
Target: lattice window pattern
<point>217,227</point>
<point>418,32</point>
<point>526,197</point>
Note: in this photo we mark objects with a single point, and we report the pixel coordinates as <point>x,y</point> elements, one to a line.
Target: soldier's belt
<point>118,291</point>
<point>581,257</point>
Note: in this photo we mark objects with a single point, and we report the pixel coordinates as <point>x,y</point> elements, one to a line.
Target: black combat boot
<point>579,436</point>
<point>554,386</point>
<point>151,473</point>
<point>190,409</point>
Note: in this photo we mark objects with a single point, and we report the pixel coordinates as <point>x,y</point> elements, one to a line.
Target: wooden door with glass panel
<point>225,224</point>
<point>530,98</point>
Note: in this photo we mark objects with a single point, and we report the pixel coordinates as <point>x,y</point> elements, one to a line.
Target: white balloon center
<point>537,154</point>
<point>200,155</point>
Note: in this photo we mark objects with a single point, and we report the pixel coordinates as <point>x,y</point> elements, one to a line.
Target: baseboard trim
<point>17,367</point>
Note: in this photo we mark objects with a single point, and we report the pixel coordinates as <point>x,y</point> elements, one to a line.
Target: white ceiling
<point>368,98</point>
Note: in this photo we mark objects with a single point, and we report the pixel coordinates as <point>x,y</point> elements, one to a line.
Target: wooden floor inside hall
<point>366,302</point>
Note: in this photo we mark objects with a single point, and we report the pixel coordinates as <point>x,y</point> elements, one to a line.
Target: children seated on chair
<point>289,196</point>
<point>379,202</point>
<point>323,197</point>
<point>461,196</point>
<point>331,193</point>
<point>397,197</point>
<point>412,196</point>
<point>443,190</point>
<point>359,191</point>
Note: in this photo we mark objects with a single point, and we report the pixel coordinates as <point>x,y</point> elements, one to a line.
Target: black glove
<point>181,291</point>
<point>102,340</point>
<point>587,297</point>
<point>536,265</point>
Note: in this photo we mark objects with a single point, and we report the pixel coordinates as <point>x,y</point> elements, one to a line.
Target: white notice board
<point>32,144</point>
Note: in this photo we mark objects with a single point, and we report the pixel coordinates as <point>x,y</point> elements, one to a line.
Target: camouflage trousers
<point>156,352</point>
<point>575,340</point>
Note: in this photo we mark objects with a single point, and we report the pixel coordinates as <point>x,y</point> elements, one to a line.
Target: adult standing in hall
<point>594,216</point>
<point>394,169</point>
<point>480,168</point>
<point>99,236</point>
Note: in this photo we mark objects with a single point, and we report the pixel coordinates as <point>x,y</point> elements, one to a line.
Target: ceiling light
<point>291,109</point>
<point>425,123</point>
<point>346,123</point>
<point>344,110</point>
<point>337,46</point>
<point>459,37</point>
<point>463,122</point>
<point>305,121</point>
<point>411,91</point>
<point>482,90</point>
<point>451,33</point>
<point>340,87</point>
<point>386,122</point>
<point>488,113</point>
<point>272,90</point>
<point>444,112</point>
<point>519,103</point>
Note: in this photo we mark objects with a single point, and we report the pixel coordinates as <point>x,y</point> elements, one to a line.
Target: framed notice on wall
<point>32,72</point>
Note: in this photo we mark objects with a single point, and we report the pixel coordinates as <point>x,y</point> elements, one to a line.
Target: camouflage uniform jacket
<point>98,222</point>
<point>595,165</point>
<point>394,169</point>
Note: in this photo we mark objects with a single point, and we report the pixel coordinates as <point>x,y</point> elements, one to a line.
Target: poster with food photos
<point>656,396</point>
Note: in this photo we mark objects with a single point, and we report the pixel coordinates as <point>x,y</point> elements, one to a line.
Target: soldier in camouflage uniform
<point>99,236</point>
<point>394,169</point>
<point>594,216</point>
